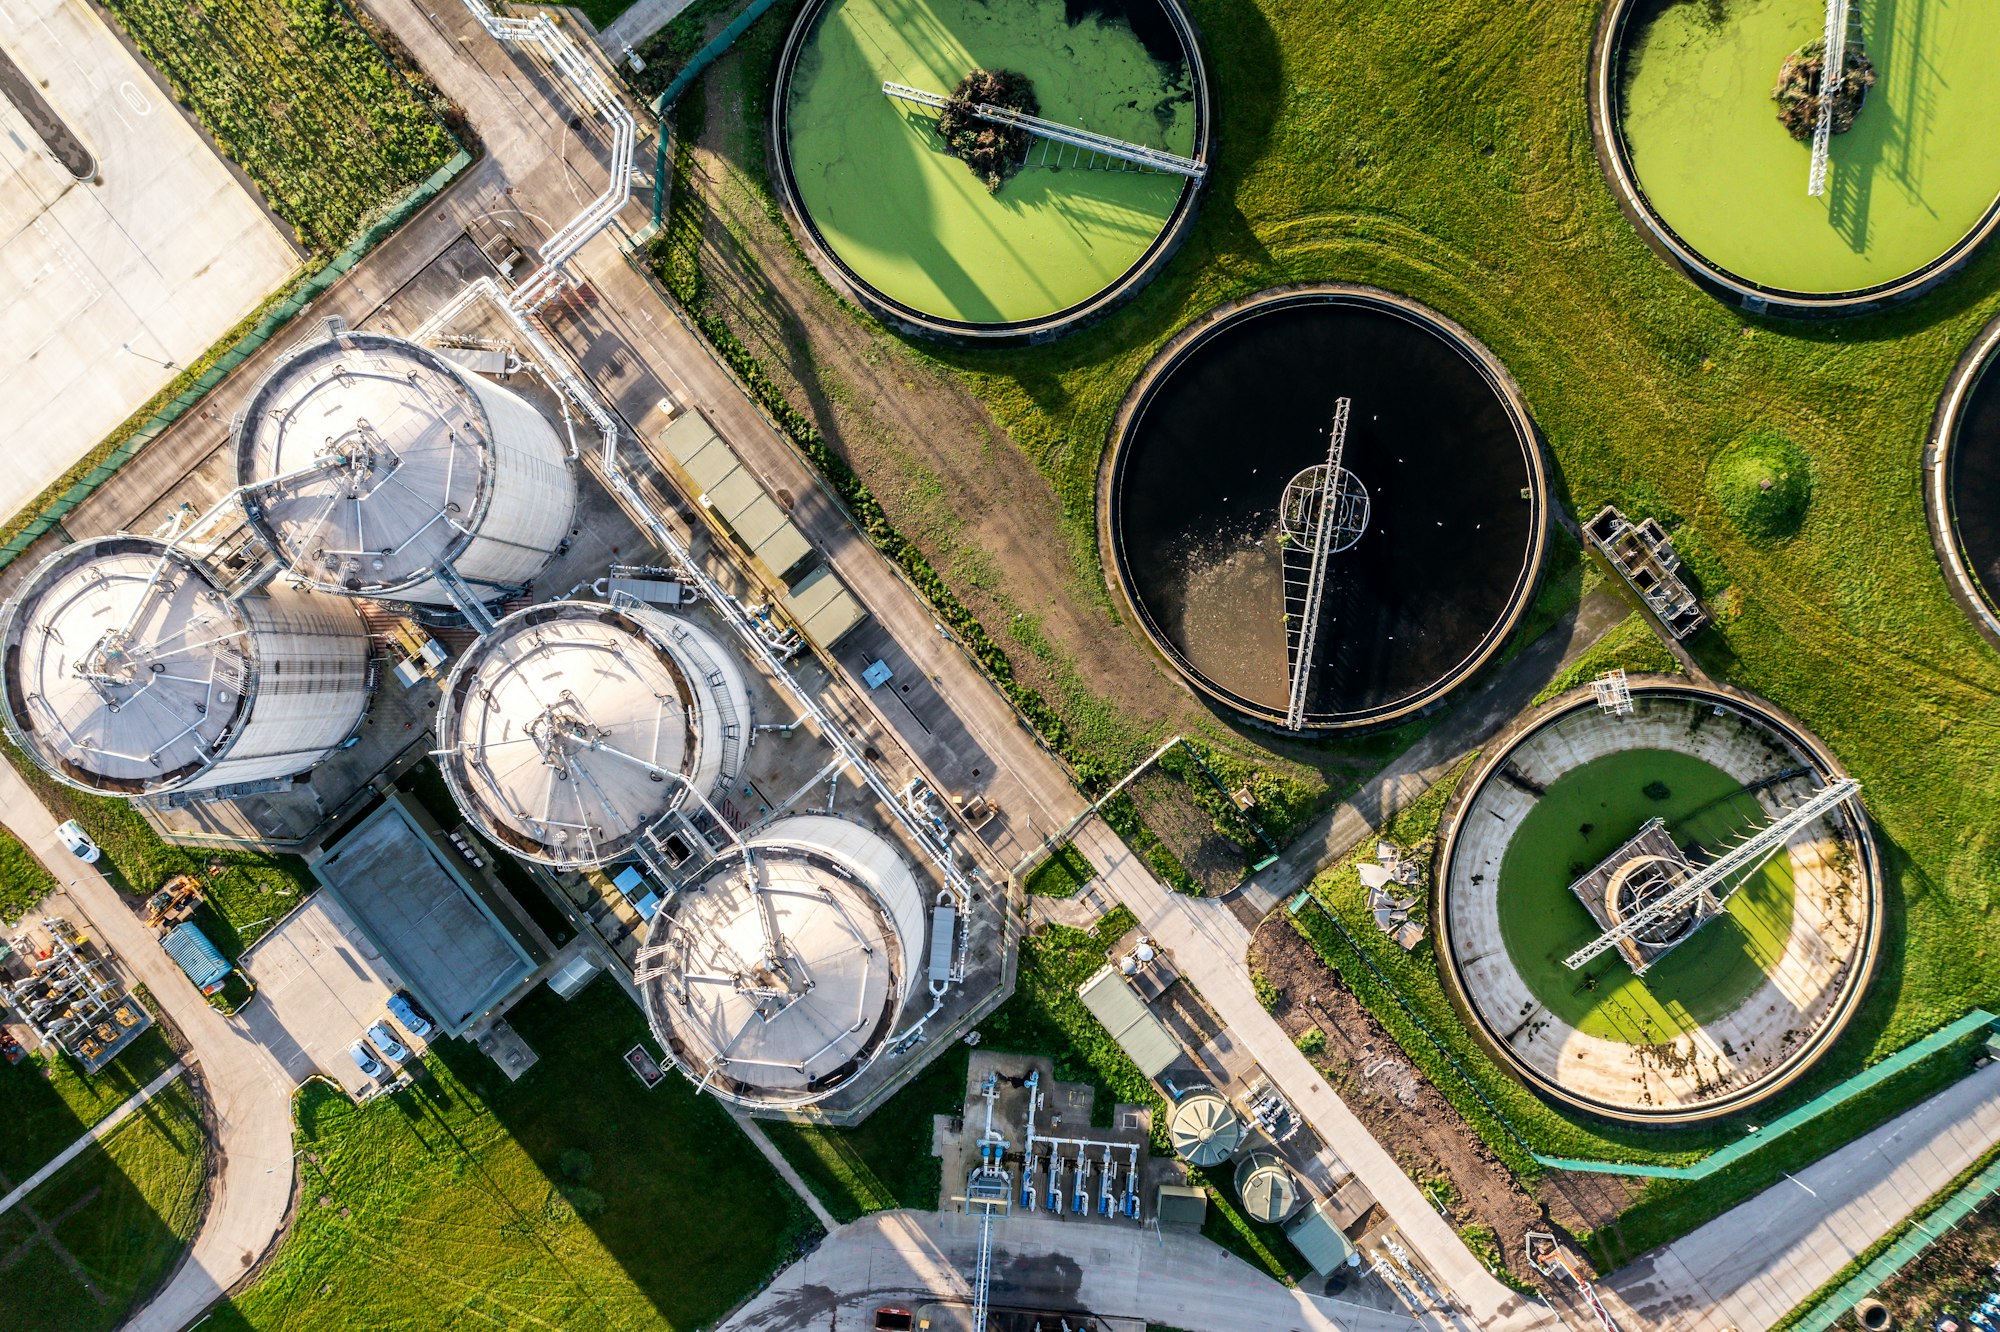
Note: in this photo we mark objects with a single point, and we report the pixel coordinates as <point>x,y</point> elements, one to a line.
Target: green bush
<point>1313,1041</point>
<point>1764,482</point>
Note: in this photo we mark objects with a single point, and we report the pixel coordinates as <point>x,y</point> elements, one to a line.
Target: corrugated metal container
<point>128,670</point>
<point>194,954</point>
<point>372,461</point>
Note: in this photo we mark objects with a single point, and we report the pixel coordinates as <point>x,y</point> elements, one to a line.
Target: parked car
<point>365,1060</point>
<point>405,1012</point>
<point>78,841</point>
<point>384,1039</point>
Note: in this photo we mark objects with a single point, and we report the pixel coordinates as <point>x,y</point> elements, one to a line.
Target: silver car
<point>365,1060</point>
<point>385,1041</point>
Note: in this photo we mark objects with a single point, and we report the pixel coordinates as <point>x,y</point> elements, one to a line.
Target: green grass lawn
<point>47,1102</point>
<point>298,94</point>
<point>247,895</point>
<point>1066,870</point>
<point>886,1161</point>
<point>124,1210</point>
<point>574,1198</point>
<point>24,880</point>
<point>1630,645</point>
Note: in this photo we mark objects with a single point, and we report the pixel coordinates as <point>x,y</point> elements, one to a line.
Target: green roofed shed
<point>1319,1241</point>
<point>1139,1034</point>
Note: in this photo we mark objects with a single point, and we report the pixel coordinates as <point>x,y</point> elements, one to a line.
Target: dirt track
<point>1411,1118</point>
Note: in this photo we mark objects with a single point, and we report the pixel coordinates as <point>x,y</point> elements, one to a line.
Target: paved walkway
<point>1117,1271</point>
<point>762,1141</point>
<point>639,22</point>
<point>1750,1267</point>
<point>96,1131</point>
<point>248,1094</point>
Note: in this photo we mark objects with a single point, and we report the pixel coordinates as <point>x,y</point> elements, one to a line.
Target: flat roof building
<point>1139,1034</point>
<point>431,922</point>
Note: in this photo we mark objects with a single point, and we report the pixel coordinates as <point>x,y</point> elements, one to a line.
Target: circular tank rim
<point>877,1041</point>
<point>1613,158</point>
<point>1802,1059</point>
<point>1940,513</point>
<point>81,552</point>
<point>425,356</point>
<point>1042,328</point>
<point>1111,462</point>
<point>474,809</point>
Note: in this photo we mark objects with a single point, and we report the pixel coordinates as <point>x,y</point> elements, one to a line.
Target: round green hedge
<point>1764,483</point>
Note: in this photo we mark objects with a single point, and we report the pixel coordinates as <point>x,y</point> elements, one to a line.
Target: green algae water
<point>915,223</point>
<point>1587,814</point>
<point>1917,173</point>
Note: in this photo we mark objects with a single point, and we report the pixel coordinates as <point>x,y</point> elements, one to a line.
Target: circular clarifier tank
<point>912,232</point>
<point>1691,132</point>
<point>1440,506</point>
<point>1962,490</point>
<point>1553,840</point>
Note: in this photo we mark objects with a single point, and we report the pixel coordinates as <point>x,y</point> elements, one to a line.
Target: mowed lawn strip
<point>47,1101</point>
<point>124,1210</point>
<point>574,1198</point>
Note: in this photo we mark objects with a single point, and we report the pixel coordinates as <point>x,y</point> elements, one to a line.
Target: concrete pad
<point>320,984</point>
<point>162,252</point>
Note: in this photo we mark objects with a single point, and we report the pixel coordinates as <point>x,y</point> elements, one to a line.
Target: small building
<point>1143,1037</point>
<point>194,954</point>
<point>425,915</point>
<point>1320,1241</point>
<point>1181,1205</point>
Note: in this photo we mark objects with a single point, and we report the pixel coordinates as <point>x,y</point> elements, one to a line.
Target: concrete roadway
<point>248,1094</point>
<point>1110,1269</point>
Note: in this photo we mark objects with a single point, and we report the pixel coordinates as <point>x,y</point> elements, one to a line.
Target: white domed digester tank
<point>129,671</point>
<point>572,728</point>
<point>776,975</point>
<point>370,462</point>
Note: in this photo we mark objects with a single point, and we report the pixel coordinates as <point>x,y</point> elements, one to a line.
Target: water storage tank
<point>129,671</point>
<point>574,727</point>
<point>774,976</point>
<point>371,461</point>
<point>1205,1130</point>
<point>1269,1192</point>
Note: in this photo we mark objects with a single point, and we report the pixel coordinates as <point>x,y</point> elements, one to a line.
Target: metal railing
<point>1153,159</point>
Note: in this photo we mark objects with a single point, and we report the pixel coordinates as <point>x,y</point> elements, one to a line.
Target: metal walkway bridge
<point>1697,890</point>
<point>1832,73</point>
<point>1148,159</point>
<point>1323,513</point>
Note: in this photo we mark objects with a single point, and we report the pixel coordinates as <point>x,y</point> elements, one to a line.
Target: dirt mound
<point>993,151</point>
<point>1797,93</point>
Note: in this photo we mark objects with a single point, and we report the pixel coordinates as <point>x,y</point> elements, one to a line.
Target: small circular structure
<point>573,728</point>
<point>1269,1192</point>
<point>911,234</point>
<point>1730,1008</point>
<point>1216,482</point>
<point>776,973</point>
<point>1205,1129</point>
<point>1689,136</point>
<point>129,670</point>
<point>1962,482</point>
<point>372,462</point>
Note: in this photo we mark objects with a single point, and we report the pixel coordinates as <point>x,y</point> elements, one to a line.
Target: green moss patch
<point>1764,482</point>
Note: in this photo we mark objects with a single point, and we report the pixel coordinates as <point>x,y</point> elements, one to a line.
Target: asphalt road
<point>1113,1270</point>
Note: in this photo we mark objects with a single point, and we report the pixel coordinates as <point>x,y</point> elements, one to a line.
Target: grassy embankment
<point>118,1216</point>
<point>247,893</point>
<point>886,1161</point>
<point>24,880</point>
<point>573,1198</point>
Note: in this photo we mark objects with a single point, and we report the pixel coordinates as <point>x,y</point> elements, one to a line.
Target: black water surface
<point>1975,482</point>
<point>1443,562</point>
<point>1147,19</point>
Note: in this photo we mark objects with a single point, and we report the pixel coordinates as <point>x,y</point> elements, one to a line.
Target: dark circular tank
<point>1971,468</point>
<point>1455,514</point>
